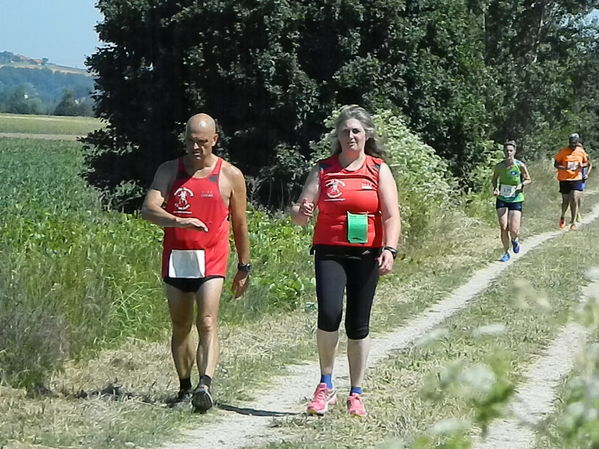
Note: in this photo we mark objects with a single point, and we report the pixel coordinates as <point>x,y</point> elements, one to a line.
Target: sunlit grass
<point>48,124</point>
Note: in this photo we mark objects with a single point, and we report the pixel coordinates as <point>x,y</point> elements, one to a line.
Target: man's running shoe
<point>182,400</point>
<point>573,227</point>
<point>516,246</point>
<point>355,405</point>
<point>578,217</point>
<point>562,223</point>
<point>322,399</point>
<point>505,257</point>
<point>202,399</point>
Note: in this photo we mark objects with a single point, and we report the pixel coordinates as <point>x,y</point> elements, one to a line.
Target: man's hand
<point>241,281</point>
<point>496,192</point>
<point>192,223</point>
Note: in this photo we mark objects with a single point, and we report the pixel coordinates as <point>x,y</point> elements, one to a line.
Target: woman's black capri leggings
<point>350,269</point>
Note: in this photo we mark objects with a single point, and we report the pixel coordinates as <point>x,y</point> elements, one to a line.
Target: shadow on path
<point>254,412</point>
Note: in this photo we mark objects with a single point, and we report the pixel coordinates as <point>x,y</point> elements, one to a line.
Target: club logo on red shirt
<point>182,193</point>
<point>333,190</point>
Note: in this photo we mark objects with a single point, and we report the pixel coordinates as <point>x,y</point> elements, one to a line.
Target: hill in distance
<point>36,86</point>
<point>8,59</point>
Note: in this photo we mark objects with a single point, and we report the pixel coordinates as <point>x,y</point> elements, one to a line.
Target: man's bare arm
<point>237,208</point>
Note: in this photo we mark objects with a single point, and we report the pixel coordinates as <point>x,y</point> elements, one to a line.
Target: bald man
<point>192,198</point>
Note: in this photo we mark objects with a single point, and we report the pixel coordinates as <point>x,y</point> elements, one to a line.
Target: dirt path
<point>535,397</point>
<point>252,423</point>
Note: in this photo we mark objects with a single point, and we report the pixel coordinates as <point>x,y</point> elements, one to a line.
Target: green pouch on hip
<point>357,228</point>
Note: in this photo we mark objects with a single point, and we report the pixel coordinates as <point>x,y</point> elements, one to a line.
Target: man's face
<point>573,143</point>
<point>199,142</point>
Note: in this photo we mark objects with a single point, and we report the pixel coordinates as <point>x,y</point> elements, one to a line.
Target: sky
<point>60,30</point>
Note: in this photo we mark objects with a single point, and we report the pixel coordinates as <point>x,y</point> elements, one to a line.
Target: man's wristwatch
<point>392,250</point>
<point>245,267</point>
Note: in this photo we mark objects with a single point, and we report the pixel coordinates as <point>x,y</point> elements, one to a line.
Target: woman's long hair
<point>373,145</point>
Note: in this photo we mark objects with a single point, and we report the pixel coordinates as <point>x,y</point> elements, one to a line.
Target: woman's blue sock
<point>327,379</point>
<point>357,390</point>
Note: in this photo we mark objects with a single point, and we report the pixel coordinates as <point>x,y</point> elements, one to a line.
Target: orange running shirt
<point>574,159</point>
<point>343,191</point>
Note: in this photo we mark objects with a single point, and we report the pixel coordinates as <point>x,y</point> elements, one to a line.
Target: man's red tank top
<point>343,191</point>
<point>199,198</point>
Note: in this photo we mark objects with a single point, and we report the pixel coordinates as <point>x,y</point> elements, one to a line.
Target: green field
<point>47,125</point>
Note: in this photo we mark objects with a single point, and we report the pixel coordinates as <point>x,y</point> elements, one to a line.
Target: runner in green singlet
<point>509,178</point>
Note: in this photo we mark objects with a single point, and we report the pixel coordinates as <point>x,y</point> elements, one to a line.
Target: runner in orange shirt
<point>570,162</point>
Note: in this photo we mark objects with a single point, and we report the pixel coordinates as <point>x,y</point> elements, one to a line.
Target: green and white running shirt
<point>509,178</point>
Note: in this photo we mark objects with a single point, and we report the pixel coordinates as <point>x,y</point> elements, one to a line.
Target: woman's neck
<point>352,159</point>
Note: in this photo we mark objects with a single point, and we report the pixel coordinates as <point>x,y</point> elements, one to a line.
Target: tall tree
<point>536,47</point>
<point>271,71</point>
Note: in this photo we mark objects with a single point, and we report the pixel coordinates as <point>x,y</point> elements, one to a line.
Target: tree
<point>271,71</point>
<point>539,49</point>
<point>68,105</point>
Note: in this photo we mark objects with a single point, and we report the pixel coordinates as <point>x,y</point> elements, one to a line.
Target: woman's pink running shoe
<point>322,399</point>
<point>355,405</point>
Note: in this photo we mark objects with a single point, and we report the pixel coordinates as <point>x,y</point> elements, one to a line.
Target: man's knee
<point>181,326</point>
<point>181,316</point>
<point>207,324</point>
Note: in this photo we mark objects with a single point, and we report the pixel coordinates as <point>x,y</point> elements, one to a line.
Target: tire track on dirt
<point>535,397</point>
<point>253,421</point>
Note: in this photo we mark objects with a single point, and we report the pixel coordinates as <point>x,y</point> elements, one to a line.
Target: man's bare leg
<point>208,352</point>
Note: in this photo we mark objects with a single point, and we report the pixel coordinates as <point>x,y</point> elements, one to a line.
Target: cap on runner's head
<point>574,136</point>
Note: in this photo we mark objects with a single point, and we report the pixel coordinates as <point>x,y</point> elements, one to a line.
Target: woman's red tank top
<point>343,191</point>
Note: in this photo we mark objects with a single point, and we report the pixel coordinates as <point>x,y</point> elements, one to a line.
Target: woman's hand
<point>306,208</point>
<point>385,261</point>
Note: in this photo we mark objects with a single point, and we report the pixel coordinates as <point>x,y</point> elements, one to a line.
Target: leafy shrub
<point>282,274</point>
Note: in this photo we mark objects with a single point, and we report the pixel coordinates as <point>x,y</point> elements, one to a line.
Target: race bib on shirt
<point>187,263</point>
<point>357,228</point>
<point>572,165</point>
<point>507,191</point>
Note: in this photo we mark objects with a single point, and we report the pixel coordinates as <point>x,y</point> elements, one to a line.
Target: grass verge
<point>48,124</point>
